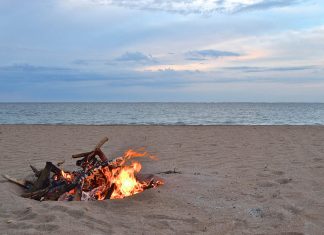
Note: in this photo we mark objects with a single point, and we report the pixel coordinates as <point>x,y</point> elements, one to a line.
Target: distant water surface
<point>163,113</point>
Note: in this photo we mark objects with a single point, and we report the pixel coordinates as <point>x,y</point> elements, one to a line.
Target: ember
<point>97,179</point>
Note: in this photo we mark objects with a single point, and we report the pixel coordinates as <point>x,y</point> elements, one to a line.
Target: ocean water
<point>163,113</point>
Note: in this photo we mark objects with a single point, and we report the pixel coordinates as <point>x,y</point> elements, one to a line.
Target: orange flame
<point>125,181</point>
<point>66,175</point>
<point>117,180</point>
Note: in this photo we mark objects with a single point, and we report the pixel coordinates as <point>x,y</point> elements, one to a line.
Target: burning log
<point>110,191</point>
<point>98,178</point>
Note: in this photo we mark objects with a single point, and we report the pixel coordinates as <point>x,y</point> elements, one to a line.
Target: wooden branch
<point>80,155</point>
<point>43,179</point>
<point>36,172</point>
<point>60,163</point>
<point>36,194</point>
<point>110,191</point>
<point>101,143</point>
<point>21,183</point>
<point>96,148</point>
<point>101,155</point>
<point>78,193</point>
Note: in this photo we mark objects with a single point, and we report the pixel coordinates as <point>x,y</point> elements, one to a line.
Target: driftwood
<point>80,155</point>
<point>97,147</point>
<point>21,183</point>
<point>36,172</point>
<point>55,192</point>
<point>88,158</point>
<point>37,195</point>
<point>44,176</point>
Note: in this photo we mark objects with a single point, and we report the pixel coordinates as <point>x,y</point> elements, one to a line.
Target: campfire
<point>96,179</point>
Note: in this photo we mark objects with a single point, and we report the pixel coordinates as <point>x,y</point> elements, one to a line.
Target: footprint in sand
<point>266,184</point>
<point>278,172</point>
<point>291,233</point>
<point>317,159</point>
<point>283,180</point>
<point>21,225</point>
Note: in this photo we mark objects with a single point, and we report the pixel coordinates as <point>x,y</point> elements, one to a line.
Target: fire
<point>67,176</point>
<point>126,184</point>
<point>118,179</point>
<point>125,181</point>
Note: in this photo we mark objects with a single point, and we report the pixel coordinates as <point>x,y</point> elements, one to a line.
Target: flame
<point>66,175</point>
<point>125,181</point>
<point>115,181</point>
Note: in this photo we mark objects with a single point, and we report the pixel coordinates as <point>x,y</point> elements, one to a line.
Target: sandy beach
<point>234,180</point>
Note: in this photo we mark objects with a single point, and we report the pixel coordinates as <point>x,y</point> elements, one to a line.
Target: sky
<point>168,51</point>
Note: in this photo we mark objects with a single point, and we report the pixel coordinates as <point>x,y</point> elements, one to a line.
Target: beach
<point>232,180</point>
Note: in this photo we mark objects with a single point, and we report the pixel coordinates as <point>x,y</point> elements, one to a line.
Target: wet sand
<point>234,180</point>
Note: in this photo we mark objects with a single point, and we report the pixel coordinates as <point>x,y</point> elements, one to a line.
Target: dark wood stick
<point>21,183</point>
<point>35,170</point>
<point>44,176</point>
<point>60,163</point>
<point>101,143</point>
<point>101,155</point>
<point>97,147</point>
<point>110,191</point>
<point>36,194</point>
<point>78,194</point>
<point>80,155</point>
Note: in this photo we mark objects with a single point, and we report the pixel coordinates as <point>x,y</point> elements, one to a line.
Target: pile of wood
<point>94,180</point>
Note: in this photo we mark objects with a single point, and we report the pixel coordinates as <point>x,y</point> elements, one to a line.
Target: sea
<point>163,113</point>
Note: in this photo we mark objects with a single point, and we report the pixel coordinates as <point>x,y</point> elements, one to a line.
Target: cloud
<point>45,83</point>
<point>208,54</point>
<point>135,57</point>
<point>163,77</point>
<point>32,68</point>
<point>199,6</point>
<point>81,62</point>
<point>251,69</point>
<point>86,62</point>
<point>129,57</point>
<point>266,4</point>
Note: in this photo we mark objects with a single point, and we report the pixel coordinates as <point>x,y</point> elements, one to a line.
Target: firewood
<point>101,143</point>
<point>54,193</point>
<point>44,176</point>
<point>110,191</point>
<point>80,155</point>
<point>60,163</point>
<point>98,146</point>
<point>101,155</point>
<point>43,179</point>
<point>54,168</point>
<point>92,181</point>
<point>36,172</point>
<point>37,195</point>
<point>21,183</point>
<point>78,194</point>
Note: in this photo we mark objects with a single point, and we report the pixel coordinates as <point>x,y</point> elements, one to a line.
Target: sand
<point>234,180</point>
